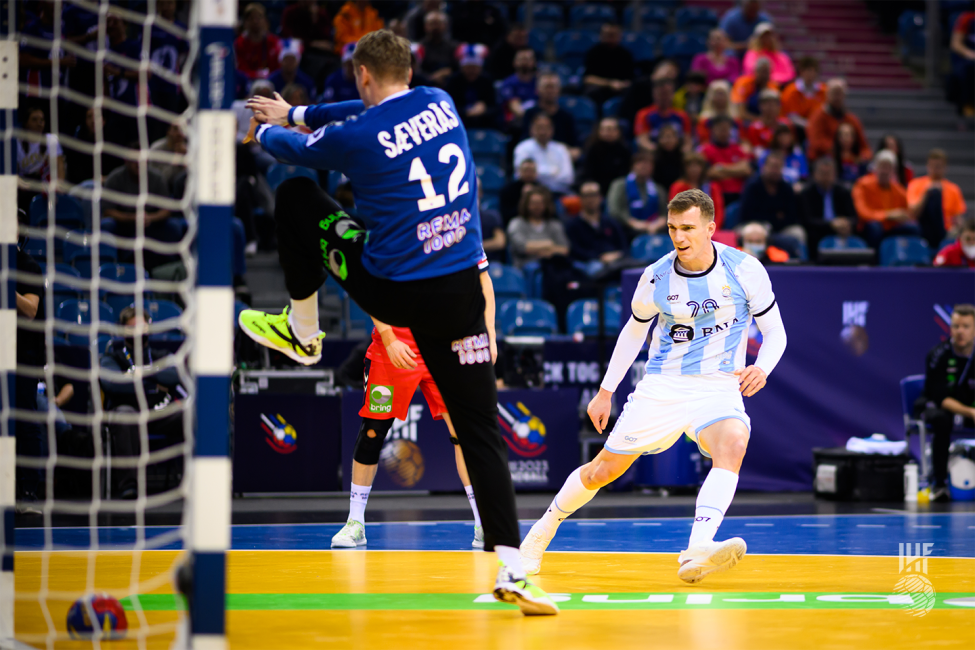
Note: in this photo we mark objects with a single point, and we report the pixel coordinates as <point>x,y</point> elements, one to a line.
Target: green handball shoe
<point>353,534</point>
<point>530,598</point>
<point>274,331</point>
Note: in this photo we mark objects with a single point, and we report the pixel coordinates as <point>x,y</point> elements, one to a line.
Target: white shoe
<point>478,537</point>
<point>529,597</point>
<point>353,534</point>
<point>532,549</point>
<point>710,557</point>
<point>250,249</point>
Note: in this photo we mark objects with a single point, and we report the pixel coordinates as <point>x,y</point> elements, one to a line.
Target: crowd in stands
<point>610,115</point>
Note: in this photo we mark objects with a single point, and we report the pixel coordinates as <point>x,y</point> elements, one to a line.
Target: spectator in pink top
<point>765,43</point>
<point>715,63</point>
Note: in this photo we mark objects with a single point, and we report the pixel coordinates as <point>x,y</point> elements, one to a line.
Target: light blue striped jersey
<point>703,317</point>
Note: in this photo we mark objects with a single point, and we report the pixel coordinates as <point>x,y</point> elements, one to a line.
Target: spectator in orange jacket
<point>881,202</point>
<point>802,98</point>
<point>934,201</point>
<point>827,119</point>
<point>354,20</point>
<point>745,92</point>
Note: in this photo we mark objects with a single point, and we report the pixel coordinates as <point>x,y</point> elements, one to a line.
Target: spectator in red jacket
<point>730,165</point>
<point>961,252</point>
<point>760,132</point>
<point>258,51</point>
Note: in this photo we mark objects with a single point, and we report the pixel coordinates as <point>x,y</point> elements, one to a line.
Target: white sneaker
<point>478,537</point>
<point>353,534</point>
<point>532,549</point>
<point>710,557</point>
<point>529,597</point>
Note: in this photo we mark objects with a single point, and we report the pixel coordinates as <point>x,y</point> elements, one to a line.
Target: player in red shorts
<point>394,369</point>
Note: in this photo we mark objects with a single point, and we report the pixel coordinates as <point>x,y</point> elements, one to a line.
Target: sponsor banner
<point>853,335</point>
<point>286,442</point>
<point>542,437</point>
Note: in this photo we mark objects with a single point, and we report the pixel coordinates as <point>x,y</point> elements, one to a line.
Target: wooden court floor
<point>436,600</point>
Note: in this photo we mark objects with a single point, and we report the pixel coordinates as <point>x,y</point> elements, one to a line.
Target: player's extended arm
<point>277,112</point>
<point>319,115</point>
<point>752,379</point>
<point>628,346</point>
<point>487,286</point>
<point>399,353</point>
<point>323,149</point>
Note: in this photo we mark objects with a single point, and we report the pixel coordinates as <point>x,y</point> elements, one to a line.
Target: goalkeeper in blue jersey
<point>415,260</point>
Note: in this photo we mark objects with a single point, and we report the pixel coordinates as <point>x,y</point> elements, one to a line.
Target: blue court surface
<point>953,535</point>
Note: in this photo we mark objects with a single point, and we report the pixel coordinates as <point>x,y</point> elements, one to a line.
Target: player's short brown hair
<point>385,55</point>
<point>964,309</point>
<point>938,154</point>
<point>693,198</point>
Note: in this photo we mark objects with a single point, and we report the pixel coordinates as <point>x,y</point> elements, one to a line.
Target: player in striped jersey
<point>702,297</point>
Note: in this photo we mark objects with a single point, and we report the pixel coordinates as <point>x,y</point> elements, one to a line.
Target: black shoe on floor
<point>940,494</point>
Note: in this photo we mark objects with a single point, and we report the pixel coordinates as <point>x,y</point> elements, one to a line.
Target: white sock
<point>712,502</point>
<point>511,558</point>
<point>473,502</point>
<point>357,502</point>
<point>303,317</point>
<point>570,498</point>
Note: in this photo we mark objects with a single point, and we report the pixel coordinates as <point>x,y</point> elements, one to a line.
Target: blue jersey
<point>412,176</point>
<point>165,50</point>
<point>704,318</point>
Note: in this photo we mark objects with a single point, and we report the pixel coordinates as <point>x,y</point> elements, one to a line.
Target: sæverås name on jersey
<point>422,127</point>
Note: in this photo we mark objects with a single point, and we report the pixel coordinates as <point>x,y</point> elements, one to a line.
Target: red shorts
<point>390,390</point>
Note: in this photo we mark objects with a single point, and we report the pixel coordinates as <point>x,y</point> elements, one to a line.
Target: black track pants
<point>446,316</point>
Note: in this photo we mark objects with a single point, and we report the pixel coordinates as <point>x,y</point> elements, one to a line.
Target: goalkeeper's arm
<point>277,112</point>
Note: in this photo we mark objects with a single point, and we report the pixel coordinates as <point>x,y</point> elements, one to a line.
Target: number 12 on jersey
<point>432,200</point>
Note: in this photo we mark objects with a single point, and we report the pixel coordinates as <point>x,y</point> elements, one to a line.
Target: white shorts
<point>664,407</point>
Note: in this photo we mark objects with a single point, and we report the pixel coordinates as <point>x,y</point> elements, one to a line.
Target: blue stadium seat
<point>834,243</point>
<point>491,178</point>
<point>583,316</point>
<point>695,19</point>
<point>643,47</point>
<point>613,294</point>
<point>650,248</point>
<point>544,15</point>
<point>904,251</point>
<point>911,31</point>
<point>488,146</point>
<point>332,287</point>
<point>591,16</point>
<point>571,46</point>
<point>36,247</point>
<point>165,312</point>
<point>527,318</point>
<point>78,252</point>
<point>280,172</point>
<point>490,202</point>
<point>682,47</point>
<point>583,110</point>
<point>611,107</point>
<point>334,180</point>
<point>652,19</point>
<point>79,312</point>
<point>357,318</point>
<point>533,277</point>
<point>61,291</point>
<point>67,212</point>
<point>123,273</point>
<point>538,40</point>
<point>508,281</point>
